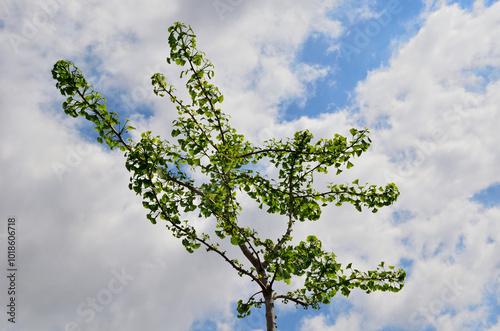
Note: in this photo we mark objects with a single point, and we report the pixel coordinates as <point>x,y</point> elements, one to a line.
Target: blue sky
<point>489,197</point>
<point>424,76</point>
<point>364,45</point>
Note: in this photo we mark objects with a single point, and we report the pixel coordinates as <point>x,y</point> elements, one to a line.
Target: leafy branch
<point>203,140</point>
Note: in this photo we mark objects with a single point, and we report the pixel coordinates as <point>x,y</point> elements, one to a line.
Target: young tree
<point>206,143</point>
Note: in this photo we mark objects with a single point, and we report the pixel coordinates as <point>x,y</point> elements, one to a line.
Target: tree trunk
<point>269,302</point>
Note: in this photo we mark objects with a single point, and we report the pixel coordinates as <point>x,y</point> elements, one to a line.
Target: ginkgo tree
<point>204,142</point>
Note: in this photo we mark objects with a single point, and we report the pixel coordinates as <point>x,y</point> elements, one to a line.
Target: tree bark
<point>269,302</point>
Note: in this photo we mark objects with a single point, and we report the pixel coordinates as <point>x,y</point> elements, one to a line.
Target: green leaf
<point>311,239</point>
<point>234,241</point>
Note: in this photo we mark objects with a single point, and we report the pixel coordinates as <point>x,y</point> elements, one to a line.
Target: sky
<point>423,76</point>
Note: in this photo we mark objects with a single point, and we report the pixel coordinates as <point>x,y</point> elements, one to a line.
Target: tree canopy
<point>204,142</point>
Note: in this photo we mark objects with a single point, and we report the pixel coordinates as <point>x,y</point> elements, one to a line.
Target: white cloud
<point>347,322</point>
<point>441,143</point>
